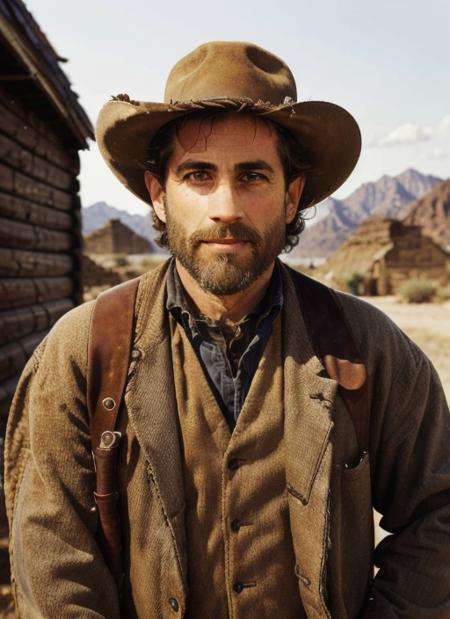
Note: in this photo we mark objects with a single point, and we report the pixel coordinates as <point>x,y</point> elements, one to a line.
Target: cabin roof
<point>31,71</point>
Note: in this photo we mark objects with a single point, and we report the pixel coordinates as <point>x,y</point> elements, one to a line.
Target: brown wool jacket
<point>57,567</point>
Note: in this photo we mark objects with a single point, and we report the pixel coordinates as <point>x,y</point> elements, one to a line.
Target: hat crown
<point>235,70</point>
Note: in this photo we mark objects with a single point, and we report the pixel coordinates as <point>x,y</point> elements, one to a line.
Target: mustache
<point>235,230</point>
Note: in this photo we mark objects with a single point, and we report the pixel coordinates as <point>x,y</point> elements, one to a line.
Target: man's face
<point>225,202</point>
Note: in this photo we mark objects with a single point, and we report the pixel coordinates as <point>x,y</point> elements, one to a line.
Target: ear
<point>156,193</point>
<point>293,195</point>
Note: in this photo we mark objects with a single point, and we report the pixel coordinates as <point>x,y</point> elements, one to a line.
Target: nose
<point>224,204</point>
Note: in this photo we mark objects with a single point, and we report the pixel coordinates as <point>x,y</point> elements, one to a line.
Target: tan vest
<point>240,557</point>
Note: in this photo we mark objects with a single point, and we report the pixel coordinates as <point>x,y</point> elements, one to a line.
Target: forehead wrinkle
<point>200,134</point>
<point>205,128</point>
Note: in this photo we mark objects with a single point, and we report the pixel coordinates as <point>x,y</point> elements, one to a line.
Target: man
<point>244,490</point>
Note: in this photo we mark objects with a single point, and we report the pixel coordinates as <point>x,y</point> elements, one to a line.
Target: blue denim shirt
<point>228,357</point>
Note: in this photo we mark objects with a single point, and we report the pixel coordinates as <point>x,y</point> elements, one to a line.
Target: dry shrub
<point>121,260</point>
<point>418,291</point>
<point>443,293</point>
<point>354,282</point>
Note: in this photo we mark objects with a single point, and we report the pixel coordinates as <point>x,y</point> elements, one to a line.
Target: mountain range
<point>389,196</point>
<point>432,212</point>
<point>400,197</point>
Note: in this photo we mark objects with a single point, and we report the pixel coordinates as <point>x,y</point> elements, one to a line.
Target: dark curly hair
<point>291,154</point>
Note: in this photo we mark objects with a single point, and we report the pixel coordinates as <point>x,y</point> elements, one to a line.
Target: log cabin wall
<point>42,127</point>
<point>39,236</point>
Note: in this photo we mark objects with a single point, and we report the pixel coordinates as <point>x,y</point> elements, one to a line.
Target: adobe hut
<point>42,127</point>
<point>116,238</point>
<point>386,252</point>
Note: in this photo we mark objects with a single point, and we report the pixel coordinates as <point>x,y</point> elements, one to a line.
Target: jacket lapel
<point>150,400</point>
<point>309,400</point>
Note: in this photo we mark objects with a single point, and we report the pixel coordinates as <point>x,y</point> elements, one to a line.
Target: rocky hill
<point>432,212</point>
<point>97,215</point>
<point>386,197</point>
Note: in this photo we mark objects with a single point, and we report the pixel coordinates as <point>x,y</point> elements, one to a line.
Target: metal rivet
<point>109,404</point>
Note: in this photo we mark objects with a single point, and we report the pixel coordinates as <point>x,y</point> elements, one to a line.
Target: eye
<point>197,176</point>
<point>252,177</point>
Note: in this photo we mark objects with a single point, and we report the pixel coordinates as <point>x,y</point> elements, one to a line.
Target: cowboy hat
<point>237,76</point>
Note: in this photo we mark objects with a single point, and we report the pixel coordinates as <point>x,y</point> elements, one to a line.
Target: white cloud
<point>406,134</point>
<point>444,125</point>
<point>439,153</point>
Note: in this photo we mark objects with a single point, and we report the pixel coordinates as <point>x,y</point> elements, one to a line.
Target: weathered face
<point>225,203</point>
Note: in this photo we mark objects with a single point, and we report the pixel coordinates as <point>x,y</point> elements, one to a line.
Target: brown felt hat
<point>240,77</point>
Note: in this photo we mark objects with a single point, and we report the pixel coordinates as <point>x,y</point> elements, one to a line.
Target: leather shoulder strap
<point>110,340</point>
<point>333,342</point>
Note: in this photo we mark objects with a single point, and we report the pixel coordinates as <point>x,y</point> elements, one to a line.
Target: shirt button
<point>238,587</point>
<point>233,464</point>
<point>235,525</point>
<point>174,604</point>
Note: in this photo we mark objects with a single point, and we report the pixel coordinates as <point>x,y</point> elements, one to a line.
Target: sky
<point>386,62</point>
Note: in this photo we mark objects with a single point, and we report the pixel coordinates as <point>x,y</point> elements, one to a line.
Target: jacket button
<point>174,604</point>
<point>233,464</point>
<point>235,525</point>
<point>238,587</point>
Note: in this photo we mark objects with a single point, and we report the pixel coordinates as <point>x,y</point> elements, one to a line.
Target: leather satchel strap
<point>109,351</point>
<point>332,340</point>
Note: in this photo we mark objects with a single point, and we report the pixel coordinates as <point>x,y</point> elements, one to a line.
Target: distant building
<point>116,238</point>
<point>42,128</point>
<point>97,275</point>
<point>386,252</point>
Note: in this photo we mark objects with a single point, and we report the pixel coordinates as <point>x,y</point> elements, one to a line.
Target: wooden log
<point>6,178</point>
<point>13,357</point>
<point>15,324</point>
<point>18,263</point>
<point>22,292</point>
<point>22,159</point>
<point>19,235</point>
<point>20,209</point>
<point>28,113</point>
<point>20,125</point>
<point>27,187</point>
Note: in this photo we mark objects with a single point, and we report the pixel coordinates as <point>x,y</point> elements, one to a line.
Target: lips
<point>226,241</point>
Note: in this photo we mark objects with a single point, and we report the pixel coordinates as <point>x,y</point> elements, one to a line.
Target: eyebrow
<point>258,164</point>
<point>195,165</point>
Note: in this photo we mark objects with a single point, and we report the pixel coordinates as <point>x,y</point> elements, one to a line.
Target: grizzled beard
<point>227,273</point>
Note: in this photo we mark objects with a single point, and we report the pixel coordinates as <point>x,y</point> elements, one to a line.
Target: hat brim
<point>329,135</point>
